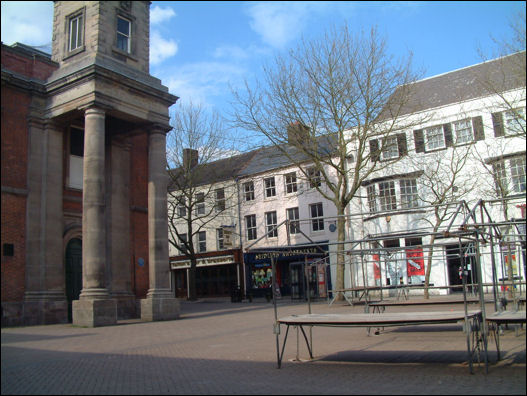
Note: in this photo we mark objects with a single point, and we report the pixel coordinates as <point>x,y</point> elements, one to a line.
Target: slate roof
<point>218,171</point>
<point>254,162</point>
<point>272,157</point>
<point>504,74</point>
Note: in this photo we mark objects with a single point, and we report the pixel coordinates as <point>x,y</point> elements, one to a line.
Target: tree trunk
<point>429,266</point>
<point>192,295</point>
<point>341,251</point>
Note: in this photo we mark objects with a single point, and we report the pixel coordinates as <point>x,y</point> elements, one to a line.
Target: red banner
<point>376,267</point>
<point>415,263</point>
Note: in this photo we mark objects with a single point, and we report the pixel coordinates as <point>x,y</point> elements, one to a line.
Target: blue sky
<point>201,49</point>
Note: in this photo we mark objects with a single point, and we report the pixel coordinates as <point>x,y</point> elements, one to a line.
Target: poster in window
<point>415,265</point>
<point>261,277</point>
<point>376,269</point>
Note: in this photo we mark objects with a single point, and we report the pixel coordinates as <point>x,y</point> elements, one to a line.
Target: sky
<point>201,50</point>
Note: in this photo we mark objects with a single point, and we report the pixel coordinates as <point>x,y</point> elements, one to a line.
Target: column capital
<point>94,110</point>
<point>159,128</point>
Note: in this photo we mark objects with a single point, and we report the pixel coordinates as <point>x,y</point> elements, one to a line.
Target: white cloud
<point>202,82</point>
<point>28,22</point>
<point>159,15</point>
<point>160,48</point>
<point>279,23</point>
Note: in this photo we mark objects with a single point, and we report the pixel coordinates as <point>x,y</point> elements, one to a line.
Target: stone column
<point>45,300</point>
<point>160,304</point>
<point>119,248</point>
<point>94,307</point>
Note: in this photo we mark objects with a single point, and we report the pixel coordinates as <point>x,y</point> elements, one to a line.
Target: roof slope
<point>502,74</point>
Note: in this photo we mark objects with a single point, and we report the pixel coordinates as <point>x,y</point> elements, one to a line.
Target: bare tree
<point>341,88</point>
<point>445,181</point>
<point>506,72</point>
<point>200,197</point>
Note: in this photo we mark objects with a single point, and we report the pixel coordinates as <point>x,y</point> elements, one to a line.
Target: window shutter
<point>447,129</point>
<point>419,140</point>
<point>477,126</point>
<point>401,144</point>
<point>497,122</point>
<point>374,150</point>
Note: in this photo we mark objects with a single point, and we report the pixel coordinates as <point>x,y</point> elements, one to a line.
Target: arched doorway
<point>73,273</point>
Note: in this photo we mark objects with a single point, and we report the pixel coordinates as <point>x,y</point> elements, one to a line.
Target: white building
<point>469,147</point>
<point>284,216</point>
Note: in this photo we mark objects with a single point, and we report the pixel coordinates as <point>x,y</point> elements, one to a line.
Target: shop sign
<point>203,262</point>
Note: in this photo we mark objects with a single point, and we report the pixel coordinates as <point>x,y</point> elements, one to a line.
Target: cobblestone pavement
<point>219,347</point>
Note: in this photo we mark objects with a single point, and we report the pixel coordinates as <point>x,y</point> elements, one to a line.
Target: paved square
<point>219,347</point>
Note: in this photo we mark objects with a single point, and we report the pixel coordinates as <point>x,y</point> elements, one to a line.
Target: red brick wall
<point>26,64</point>
<point>13,232</point>
<point>14,155</point>
<point>14,176</point>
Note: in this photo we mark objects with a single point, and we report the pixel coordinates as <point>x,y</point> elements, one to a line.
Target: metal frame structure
<point>467,225</point>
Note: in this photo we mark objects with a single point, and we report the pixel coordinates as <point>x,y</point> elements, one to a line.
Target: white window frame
<point>124,35</point>
<point>514,121</point>
<point>202,241</point>
<point>269,187</point>
<point>248,191</point>
<point>409,197</point>
<point>313,177</point>
<point>434,138</point>
<point>290,183</point>
<point>387,195</point>
<point>463,131</point>
<point>372,198</point>
<point>517,170</point>
<point>181,207</point>
<point>220,239</point>
<point>76,39</point>
<point>250,227</point>
<point>200,204</point>
<point>316,212</point>
<point>391,148</point>
<point>293,215</point>
<point>220,199</point>
<point>510,175</point>
<point>271,220</point>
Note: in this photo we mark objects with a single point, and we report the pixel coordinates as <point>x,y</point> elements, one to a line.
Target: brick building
<point>84,225</point>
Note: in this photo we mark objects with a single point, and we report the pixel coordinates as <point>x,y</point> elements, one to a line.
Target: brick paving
<point>219,347</point>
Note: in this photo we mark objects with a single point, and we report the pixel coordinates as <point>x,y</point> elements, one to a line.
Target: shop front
<point>297,270</point>
<point>217,274</point>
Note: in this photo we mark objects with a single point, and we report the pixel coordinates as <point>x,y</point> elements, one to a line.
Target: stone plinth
<point>94,313</point>
<point>154,309</point>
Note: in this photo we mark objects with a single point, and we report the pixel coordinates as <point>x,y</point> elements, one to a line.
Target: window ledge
<point>120,52</point>
<point>394,213</point>
<point>76,51</point>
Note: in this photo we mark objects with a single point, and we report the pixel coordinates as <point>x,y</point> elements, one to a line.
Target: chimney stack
<point>190,158</point>
<point>297,133</point>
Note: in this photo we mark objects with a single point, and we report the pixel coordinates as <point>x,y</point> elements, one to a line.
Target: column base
<point>157,309</point>
<point>94,313</point>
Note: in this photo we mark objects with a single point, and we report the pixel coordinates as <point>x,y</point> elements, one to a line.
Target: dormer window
<point>76,26</point>
<point>124,34</point>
